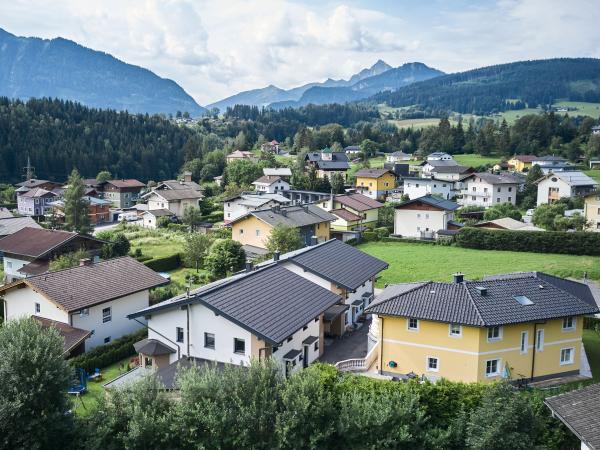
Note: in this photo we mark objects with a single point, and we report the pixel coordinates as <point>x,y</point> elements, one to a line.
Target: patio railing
<point>358,364</point>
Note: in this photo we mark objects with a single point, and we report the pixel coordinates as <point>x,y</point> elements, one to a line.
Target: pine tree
<point>76,206</point>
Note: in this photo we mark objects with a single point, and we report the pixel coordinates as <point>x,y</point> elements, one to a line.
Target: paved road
<point>112,225</point>
<point>353,345</point>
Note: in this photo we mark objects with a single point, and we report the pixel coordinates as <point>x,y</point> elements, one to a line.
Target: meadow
<point>474,160</point>
<point>418,262</point>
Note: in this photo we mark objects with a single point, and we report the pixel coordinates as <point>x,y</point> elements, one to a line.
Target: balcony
<point>466,193</point>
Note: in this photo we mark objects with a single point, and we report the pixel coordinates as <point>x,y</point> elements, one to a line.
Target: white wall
<point>21,303</point>
<point>118,326</point>
<point>418,188</point>
<point>481,193</point>
<point>278,186</point>
<point>564,190</point>
<point>417,223</point>
<point>308,275</point>
<point>11,267</point>
<point>312,329</point>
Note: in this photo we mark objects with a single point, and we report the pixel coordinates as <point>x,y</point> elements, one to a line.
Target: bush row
<point>590,323</point>
<point>105,355</point>
<point>576,243</point>
<point>164,263</point>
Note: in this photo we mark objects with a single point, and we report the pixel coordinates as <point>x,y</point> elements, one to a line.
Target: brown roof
<point>72,336</point>
<point>177,194</point>
<point>126,183</point>
<point>37,192</point>
<point>35,242</point>
<point>33,183</point>
<point>85,286</point>
<point>345,214</point>
<point>35,267</point>
<point>358,202</point>
<point>371,173</point>
<point>269,179</point>
<point>525,158</point>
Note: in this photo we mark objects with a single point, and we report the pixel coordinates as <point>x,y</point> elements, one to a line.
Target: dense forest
<point>502,87</point>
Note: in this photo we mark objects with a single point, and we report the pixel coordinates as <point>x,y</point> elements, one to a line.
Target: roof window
<point>523,300</point>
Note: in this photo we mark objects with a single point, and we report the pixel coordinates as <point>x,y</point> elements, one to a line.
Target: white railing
<point>358,364</point>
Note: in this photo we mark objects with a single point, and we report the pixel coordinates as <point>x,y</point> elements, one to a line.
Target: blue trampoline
<point>78,383</point>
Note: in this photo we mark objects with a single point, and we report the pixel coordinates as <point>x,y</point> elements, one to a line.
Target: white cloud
<point>215,49</point>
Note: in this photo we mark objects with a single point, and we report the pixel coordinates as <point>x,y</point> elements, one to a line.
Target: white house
<point>551,163</point>
<point>424,217</point>
<point>242,204</point>
<point>416,187</point>
<point>439,156</point>
<point>150,218</point>
<point>94,297</point>
<point>397,157</point>
<point>271,184</point>
<point>339,268</point>
<point>487,189</point>
<point>561,184</point>
<point>268,312</point>
<point>175,200</point>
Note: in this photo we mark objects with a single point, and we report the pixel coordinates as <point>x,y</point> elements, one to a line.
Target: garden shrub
<point>575,243</point>
<point>591,323</point>
<point>369,236</point>
<point>381,232</point>
<point>164,263</point>
<point>107,354</point>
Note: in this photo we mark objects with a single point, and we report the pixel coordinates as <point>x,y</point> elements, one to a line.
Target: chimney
<point>314,240</point>
<point>248,267</point>
<point>85,262</point>
<point>482,290</point>
<point>458,277</point>
<point>187,176</point>
<point>276,255</point>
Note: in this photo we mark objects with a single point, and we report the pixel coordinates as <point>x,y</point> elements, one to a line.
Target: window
<point>209,340</point>
<point>524,341</point>
<point>568,324</point>
<point>494,333</point>
<point>566,356</point>
<point>239,346</point>
<point>418,216</point>
<point>492,367</point>
<point>258,232</point>
<point>37,308</point>
<point>84,312</point>
<point>510,199</point>
<point>432,364</point>
<point>498,200</point>
<point>106,315</point>
<point>179,334</point>
<point>413,324</point>
<point>509,189</point>
<point>485,189</point>
<point>499,189</point>
<point>316,347</point>
<point>305,327</point>
<point>241,231</point>
<point>539,341</point>
<point>455,330</point>
<point>107,340</point>
<point>9,264</point>
<point>473,198</point>
<point>473,189</point>
<point>427,216</point>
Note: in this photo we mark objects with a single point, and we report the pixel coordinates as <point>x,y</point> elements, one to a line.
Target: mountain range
<point>377,78</point>
<point>34,67</point>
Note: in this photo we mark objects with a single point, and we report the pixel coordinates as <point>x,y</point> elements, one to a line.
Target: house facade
<point>96,297</point>
<point>150,219</point>
<point>487,189</point>
<point>98,209</point>
<point>173,200</point>
<point>269,312</point>
<point>357,205</point>
<point>562,184</point>
<point>397,157</point>
<point>375,183</point>
<point>254,229</point>
<point>326,163</point>
<point>416,187</point>
<point>122,193</point>
<point>551,163</point>
<point>521,163</point>
<point>520,326</point>
<point>242,204</point>
<point>423,217</point>
<point>591,211</point>
<point>271,184</point>
<point>240,155</point>
<point>35,202</point>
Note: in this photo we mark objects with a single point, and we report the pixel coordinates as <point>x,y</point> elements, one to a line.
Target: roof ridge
<point>472,300</point>
<point>424,283</point>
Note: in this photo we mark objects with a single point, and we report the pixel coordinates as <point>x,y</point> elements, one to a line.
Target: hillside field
<point>475,160</point>
<point>419,262</point>
<point>594,173</point>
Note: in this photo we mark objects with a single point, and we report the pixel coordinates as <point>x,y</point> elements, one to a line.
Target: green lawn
<point>591,342</point>
<point>89,401</point>
<point>475,160</point>
<point>583,108</point>
<point>418,262</point>
<point>594,173</point>
<point>154,243</point>
<point>178,277</point>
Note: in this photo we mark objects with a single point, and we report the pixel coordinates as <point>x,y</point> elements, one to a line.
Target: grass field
<point>474,160</point>
<point>154,243</point>
<point>583,108</point>
<point>591,342</point>
<point>415,123</point>
<point>89,401</point>
<point>418,262</point>
<point>594,173</point>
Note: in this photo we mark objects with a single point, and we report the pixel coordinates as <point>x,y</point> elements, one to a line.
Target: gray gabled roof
<point>272,302</point>
<point>292,216</point>
<point>431,200</point>
<point>339,161</point>
<point>11,225</point>
<point>580,411</point>
<point>464,303</point>
<point>336,262</point>
<point>572,178</point>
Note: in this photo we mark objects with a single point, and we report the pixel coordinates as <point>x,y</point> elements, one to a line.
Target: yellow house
<point>521,163</point>
<point>375,183</point>
<point>254,229</point>
<point>591,210</point>
<point>360,211</point>
<point>515,326</point>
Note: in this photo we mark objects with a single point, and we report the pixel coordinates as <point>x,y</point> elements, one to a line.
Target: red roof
<point>358,202</point>
<point>274,142</point>
<point>126,183</point>
<point>345,214</point>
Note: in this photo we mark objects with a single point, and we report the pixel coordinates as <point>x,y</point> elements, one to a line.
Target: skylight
<point>523,300</point>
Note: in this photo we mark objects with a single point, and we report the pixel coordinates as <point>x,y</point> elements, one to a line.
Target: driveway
<point>352,345</point>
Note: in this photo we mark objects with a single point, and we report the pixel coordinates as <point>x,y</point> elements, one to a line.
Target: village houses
<point>271,184</point>
<point>521,163</point>
<point>488,189</point>
<point>511,327</point>
<point>562,184</point>
<point>425,217</point>
<point>327,162</point>
<point>242,204</point>
<point>375,183</point>
<point>353,211</point>
<point>416,187</point>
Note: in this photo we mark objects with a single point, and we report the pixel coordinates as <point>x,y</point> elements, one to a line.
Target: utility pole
<point>29,170</point>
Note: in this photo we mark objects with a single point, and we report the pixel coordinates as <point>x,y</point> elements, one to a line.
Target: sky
<point>214,49</point>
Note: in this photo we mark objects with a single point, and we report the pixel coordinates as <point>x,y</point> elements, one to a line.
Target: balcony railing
<point>358,364</point>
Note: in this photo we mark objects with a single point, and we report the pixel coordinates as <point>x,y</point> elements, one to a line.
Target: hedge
<point>105,355</point>
<point>590,323</point>
<point>576,243</point>
<point>164,263</point>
